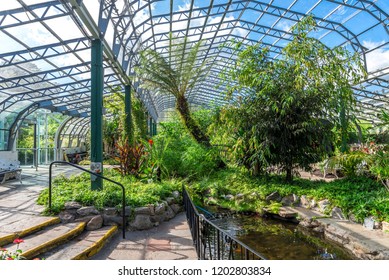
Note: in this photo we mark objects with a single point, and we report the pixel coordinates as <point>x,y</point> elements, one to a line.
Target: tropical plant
<point>291,105</point>
<point>132,158</point>
<point>175,75</point>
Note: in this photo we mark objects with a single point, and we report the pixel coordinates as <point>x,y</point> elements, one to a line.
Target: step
<point>47,239</point>
<point>83,246</point>
<point>20,231</point>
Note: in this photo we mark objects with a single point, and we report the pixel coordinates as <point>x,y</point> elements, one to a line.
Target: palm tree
<point>176,74</point>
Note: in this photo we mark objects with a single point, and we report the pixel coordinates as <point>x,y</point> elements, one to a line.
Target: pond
<point>279,240</point>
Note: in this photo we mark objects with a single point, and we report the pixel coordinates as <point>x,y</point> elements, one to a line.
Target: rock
<point>157,218</point>
<point>159,209</point>
<point>142,211</point>
<point>291,199</point>
<point>66,216</point>
<point>141,222</point>
<point>170,200</point>
<point>309,223</point>
<point>337,213</point>
<point>176,195</point>
<point>211,201</point>
<point>111,211</point>
<point>112,220</point>
<point>229,197</point>
<point>87,211</point>
<point>152,209</point>
<point>313,203</point>
<point>323,205</point>
<point>368,223</point>
<point>127,211</point>
<point>239,196</point>
<point>84,219</point>
<point>305,202</point>
<point>385,227</point>
<point>176,208</point>
<point>377,225</point>
<point>274,196</point>
<point>95,223</point>
<point>352,218</point>
<point>169,213</point>
<point>70,205</point>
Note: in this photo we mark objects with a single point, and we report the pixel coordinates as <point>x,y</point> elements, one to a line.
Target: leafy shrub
<point>177,154</point>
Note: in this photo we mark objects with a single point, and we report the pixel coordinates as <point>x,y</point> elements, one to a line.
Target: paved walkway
<point>169,241</point>
<point>18,210</point>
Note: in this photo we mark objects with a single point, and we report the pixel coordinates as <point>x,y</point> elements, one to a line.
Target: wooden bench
<point>6,175</point>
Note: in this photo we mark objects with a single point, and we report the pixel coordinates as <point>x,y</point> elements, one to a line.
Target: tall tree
<point>294,102</point>
<point>175,74</point>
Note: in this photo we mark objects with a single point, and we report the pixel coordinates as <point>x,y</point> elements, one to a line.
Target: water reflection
<point>281,240</point>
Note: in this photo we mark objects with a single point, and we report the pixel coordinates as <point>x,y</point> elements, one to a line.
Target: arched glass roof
<point>45,46</point>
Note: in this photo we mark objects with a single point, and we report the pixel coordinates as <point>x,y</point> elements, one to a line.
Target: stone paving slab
<point>171,240</point>
<point>83,246</point>
<point>46,239</point>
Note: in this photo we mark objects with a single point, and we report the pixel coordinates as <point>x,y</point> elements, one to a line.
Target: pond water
<point>280,240</point>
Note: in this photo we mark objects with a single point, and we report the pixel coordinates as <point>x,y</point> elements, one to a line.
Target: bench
<point>6,175</point>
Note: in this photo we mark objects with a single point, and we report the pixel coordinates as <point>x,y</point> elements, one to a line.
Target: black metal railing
<point>97,175</point>
<point>212,242</point>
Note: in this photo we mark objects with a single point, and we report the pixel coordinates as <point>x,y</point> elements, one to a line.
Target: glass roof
<point>45,50</point>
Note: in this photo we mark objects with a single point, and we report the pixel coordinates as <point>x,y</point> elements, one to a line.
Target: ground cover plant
<point>360,196</point>
<point>77,188</point>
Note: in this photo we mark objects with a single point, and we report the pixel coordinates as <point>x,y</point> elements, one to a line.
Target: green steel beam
<point>97,84</point>
<point>127,104</point>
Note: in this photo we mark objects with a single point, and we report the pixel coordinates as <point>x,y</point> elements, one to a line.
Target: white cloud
<point>378,58</point>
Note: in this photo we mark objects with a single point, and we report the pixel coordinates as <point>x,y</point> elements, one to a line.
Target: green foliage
<point>114,126</point>
<point>177,154</point>
<point>351,164</point>
<point>77,188</point>
<point>291,105</point>
<point>360,196</point>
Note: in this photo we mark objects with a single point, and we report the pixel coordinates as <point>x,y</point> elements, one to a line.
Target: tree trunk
<point>289,176</point>
<point>194,129</point>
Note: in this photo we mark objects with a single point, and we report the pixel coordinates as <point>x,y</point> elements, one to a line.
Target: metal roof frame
<point>53,72</point>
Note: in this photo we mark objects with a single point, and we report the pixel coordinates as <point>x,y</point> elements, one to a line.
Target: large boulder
<point>176,208</point>
<point>169,213</point>
<point>142,211</point>
<point>170,200</point>
<point>110,211</point>
<point>323,205</point>
<point>274,196</point>
<point>176,195</point>
<point>291,199</point>
<point>72,205</point>
<point>95,223</point>
<point>160,209</point>
<point>305,202</point>
<point>141,222</point>
<point>67,216</point>
<point>337,213</point>
<point>87,211</point>
<point>109,220</point>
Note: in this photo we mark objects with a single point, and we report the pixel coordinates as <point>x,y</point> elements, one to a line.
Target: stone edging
<point>139,218</point>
